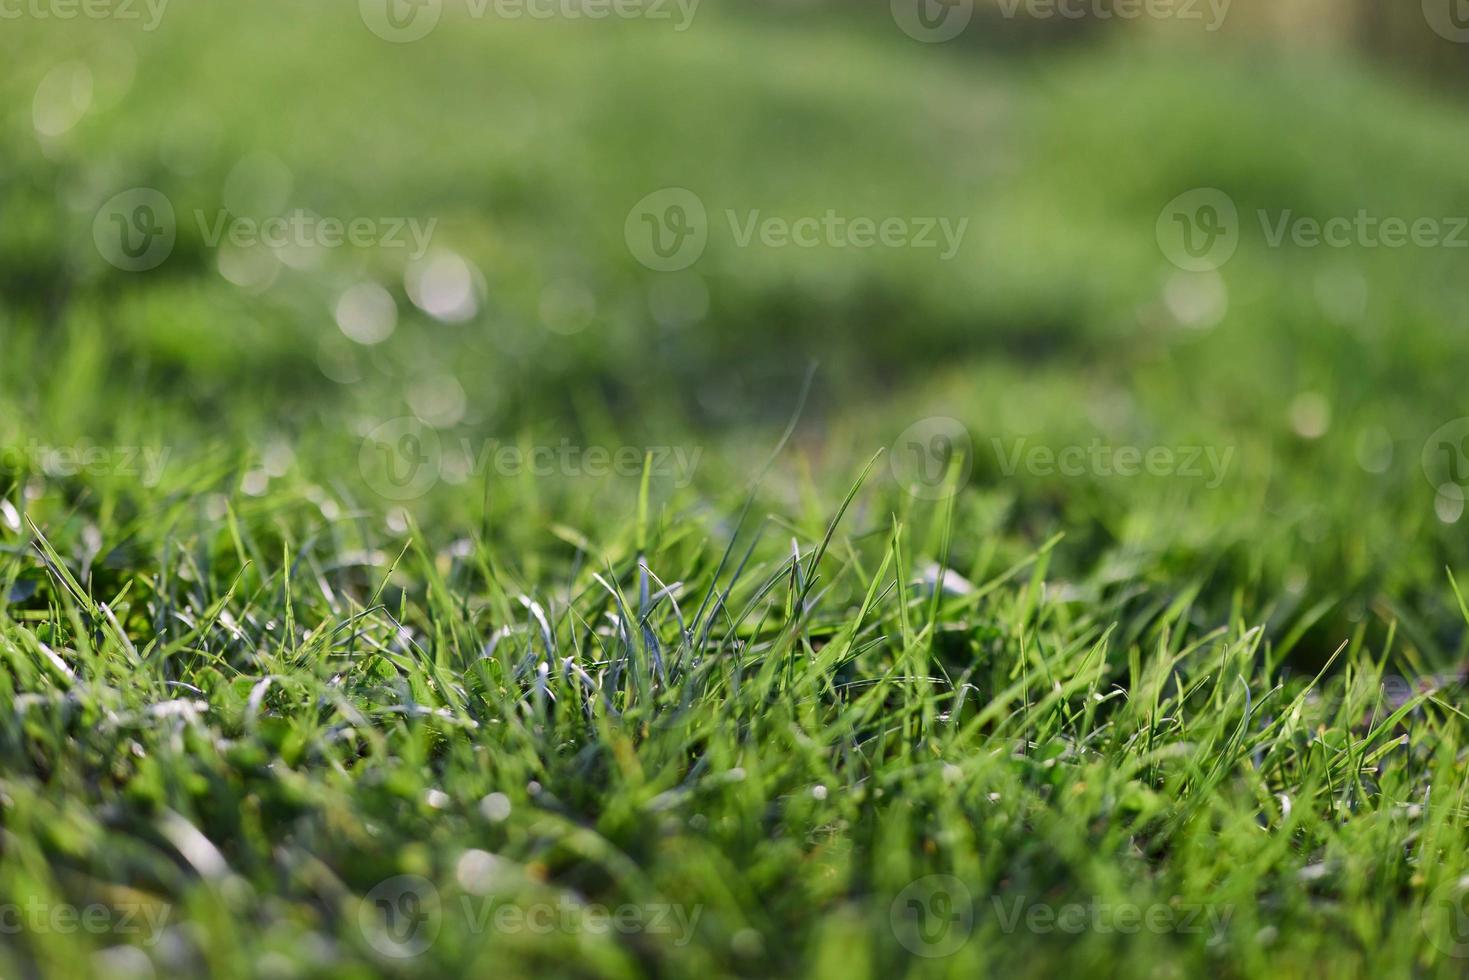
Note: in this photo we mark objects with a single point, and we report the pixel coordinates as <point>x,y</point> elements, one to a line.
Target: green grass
<point>1152,725</point>
<point>255,721</point>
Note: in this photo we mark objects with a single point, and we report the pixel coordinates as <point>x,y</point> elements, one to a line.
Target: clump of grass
<point>780,731</point>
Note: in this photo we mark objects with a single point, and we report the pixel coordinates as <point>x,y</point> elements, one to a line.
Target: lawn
<point>748,496</point>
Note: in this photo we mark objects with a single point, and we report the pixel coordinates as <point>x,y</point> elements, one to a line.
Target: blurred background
<point>251,235</point>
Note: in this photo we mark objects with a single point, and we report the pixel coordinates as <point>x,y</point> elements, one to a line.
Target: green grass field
<point>473,598</point>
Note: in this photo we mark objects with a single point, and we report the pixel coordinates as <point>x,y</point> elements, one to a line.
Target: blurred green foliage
<point>1060,321</point>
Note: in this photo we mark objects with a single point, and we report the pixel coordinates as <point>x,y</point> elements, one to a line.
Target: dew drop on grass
<point>476,871</point>
<point>123,962</point>
<point>456,466</point>
<point>1196,300</point>
<point>255,483</point>
<point>495,807</point>
<point>216,506</point>
<point>366,313</point>
<point>747,943</point>
<point>439,400</point>
<point>278,458</point>
<point>443,285</point>
<point>337,360</point>
<point>1375,449</point>
<point>252,269</point>
<point>1310,415</point>
<point>1449,508</point>
<point>62,98</point>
